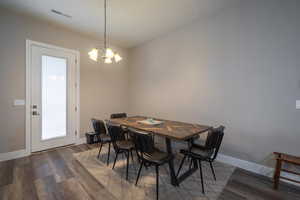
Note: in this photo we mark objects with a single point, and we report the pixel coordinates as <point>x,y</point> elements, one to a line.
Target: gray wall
<point>239,68</point>
<point>103,88</point>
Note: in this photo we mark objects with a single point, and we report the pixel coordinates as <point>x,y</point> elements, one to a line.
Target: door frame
<point>29,44</point>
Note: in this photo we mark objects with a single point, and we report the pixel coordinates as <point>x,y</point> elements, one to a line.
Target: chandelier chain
<point>105,31</point>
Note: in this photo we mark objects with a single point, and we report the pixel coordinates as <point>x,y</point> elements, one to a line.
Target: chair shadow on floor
<point>120,167</point>
<point>190,189</point>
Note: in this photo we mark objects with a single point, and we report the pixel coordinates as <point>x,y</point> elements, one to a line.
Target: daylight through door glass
<point>54,97</point>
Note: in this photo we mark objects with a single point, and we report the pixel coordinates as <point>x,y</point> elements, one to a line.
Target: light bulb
<point>118,58</point>
<point>109,53</point>
<point>107,60</point>
<point>93,54</point>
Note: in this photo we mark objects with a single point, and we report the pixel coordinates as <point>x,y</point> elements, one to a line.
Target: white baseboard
<point>255,168</point>
<point>249,166</point>
<point>13,155</point>
<point>81,141</point>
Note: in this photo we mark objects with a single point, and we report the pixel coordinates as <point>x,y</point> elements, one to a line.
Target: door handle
<point>35,113</point>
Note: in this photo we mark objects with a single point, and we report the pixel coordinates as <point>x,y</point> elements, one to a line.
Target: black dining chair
<point>148,154</point>
<point>120,144</point>
<point>121,115</point>
<point>207,152</point>
<point>118,115</point>
<point>103,137</point>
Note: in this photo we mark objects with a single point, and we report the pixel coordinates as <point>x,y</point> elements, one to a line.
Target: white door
<point>53,97</point>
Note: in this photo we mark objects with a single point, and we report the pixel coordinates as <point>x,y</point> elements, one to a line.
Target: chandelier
<point>108,55</point>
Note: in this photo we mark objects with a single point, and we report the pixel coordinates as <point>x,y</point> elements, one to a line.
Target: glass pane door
<point>54,97</point>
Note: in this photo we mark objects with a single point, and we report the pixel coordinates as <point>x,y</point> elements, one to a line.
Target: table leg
<point>171,163</point>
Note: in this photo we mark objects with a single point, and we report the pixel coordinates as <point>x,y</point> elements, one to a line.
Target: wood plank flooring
<point>56,175</point>
<point>51,175</point>
<point>246,185</point>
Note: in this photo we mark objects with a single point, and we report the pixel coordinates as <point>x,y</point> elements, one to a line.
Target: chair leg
<point>201,175</point>
<point>117,153</point>
<point>137,155</point>
<point>212,170</point>
<point>101,144</point>
<point>181,164</point>
<point>157,180</point>
<point>131,156</point>
<point>191,162</point>
<point>127,165</point>
<point>139,173</point>
<point>108,153</point>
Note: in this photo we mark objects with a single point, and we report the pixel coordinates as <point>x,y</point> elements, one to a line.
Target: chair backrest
<point>214,140</point>
<point>116,134</point>
<point>143,141</point>
<point>118,115</point>
<point>99,126</point>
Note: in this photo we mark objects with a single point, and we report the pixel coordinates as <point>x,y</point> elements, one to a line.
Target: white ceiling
<point>131,21</point>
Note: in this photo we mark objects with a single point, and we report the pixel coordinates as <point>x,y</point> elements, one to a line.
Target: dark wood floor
<point>246,185</point>
<point>55,175</point>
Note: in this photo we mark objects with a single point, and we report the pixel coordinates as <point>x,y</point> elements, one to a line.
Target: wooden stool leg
<point>277,173</point>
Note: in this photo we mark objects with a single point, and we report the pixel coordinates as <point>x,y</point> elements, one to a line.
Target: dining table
<point>170,131</point>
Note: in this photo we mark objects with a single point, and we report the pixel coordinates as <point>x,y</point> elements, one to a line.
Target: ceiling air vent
<point>60,13</point>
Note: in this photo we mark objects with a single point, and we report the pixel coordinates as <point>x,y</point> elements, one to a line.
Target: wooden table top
<point>171,129</point>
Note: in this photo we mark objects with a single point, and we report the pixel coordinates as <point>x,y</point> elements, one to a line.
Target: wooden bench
<point>284,158</point>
